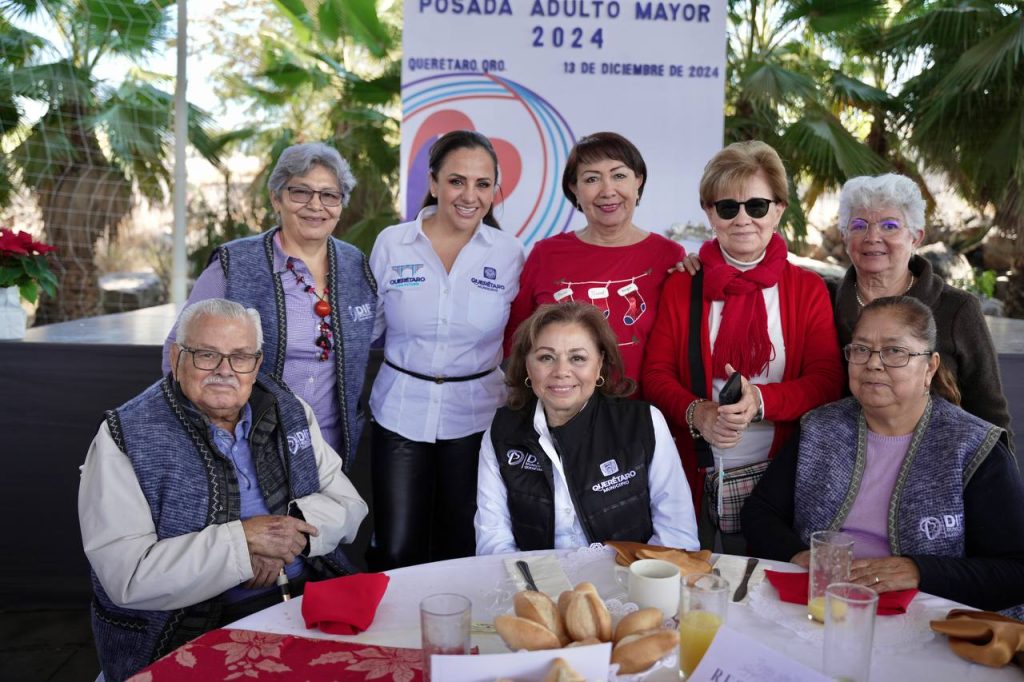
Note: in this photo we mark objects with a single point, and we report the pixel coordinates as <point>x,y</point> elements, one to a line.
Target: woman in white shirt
<point>570,462</point>
<point>445,284</point>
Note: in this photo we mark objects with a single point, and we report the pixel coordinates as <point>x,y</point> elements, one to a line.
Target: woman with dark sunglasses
<point>760,316</point>
<point>881,220</point>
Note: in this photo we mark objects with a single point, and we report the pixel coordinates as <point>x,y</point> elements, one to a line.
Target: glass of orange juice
<point>703,602</point>
<point>831,555</point>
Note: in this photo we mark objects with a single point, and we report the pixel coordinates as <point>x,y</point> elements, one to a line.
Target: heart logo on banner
<point>437,124</point>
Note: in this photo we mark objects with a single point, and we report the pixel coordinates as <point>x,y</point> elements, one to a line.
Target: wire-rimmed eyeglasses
<point>891,356</point>
<point>208,360</point>
<point>330,198</point>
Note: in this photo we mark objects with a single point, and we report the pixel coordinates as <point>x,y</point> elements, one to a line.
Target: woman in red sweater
<point>611,263</point>
<point>760,316</point>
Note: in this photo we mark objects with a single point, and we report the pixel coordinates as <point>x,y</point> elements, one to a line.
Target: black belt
<point>438,380</point>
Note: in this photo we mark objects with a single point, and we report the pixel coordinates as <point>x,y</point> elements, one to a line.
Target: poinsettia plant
<point>23,265</point>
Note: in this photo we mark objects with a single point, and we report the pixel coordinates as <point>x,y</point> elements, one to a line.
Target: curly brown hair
<point>616,383</point>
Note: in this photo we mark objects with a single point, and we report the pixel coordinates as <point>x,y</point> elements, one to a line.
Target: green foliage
<point>87,135</point>
<point>329,71</point>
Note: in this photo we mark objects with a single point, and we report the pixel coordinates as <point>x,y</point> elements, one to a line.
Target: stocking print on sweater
<point>613,297</point>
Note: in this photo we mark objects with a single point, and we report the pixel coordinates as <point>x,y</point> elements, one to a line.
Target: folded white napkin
<point>546,572</point>
<point>732,569</point>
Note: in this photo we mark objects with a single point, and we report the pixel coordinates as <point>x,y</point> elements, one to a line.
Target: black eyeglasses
<point>891,356</point>
<point>730,208</point>
<point>303,195</point>
<point>207,360</point>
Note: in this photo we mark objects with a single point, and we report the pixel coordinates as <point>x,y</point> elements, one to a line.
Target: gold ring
<point>877,580</point>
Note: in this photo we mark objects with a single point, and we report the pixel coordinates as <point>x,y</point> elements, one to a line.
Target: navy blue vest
<point>189,485</point>
<point>248,262</point>
<point>609,486</point>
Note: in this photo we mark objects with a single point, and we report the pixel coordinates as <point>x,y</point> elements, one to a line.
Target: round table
<point>480,578</point>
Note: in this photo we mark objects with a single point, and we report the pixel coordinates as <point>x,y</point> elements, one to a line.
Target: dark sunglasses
<point>730,208</point>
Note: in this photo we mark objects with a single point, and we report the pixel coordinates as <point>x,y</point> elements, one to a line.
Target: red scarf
<point>743,339</point>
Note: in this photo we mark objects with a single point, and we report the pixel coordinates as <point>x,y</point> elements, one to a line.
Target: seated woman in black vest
<point>569,462</point>
<point>930,493</point>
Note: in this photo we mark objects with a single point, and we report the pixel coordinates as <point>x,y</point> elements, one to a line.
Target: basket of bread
<point>581,618</point>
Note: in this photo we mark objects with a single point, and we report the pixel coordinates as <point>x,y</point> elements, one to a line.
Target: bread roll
<point>639,651</point>
<point>584,642</point>
<point>687,564</point>
<point>638,621</point>
<point>539,608</point>
<point>520,633</point>
<point>563,603</point>
<point>587,616</point>
<point>561,671</point>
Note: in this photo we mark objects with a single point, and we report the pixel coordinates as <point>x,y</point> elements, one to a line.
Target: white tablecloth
<point>483,578</point>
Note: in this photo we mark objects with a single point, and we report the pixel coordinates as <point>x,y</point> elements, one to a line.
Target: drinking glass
<point>444,626</point>
<point>849,629</point>
<point>703,602</point>
<point>831,554</point>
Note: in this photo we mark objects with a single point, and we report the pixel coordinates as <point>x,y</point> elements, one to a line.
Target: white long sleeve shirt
<point>139,571</point>
<point>675,524</point>
<point>441,323</point>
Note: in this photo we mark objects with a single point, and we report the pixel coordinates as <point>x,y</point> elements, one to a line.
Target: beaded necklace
<point>321,308</point>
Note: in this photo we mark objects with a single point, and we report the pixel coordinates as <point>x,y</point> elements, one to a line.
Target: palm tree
<point>965,112</point>
<point>95,144</point>
<point>333,74</point>
<point>781,89</point>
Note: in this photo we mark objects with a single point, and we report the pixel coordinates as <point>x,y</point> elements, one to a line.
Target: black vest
<point>606,467</point>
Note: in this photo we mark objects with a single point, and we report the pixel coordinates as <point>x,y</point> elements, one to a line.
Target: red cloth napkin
<point>343,606</point>
<point>792,588</point>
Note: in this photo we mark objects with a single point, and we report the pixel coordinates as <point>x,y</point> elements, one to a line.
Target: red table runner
<point>250,655</point>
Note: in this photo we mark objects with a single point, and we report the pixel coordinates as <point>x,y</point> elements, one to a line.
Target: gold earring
<point>600,381</point>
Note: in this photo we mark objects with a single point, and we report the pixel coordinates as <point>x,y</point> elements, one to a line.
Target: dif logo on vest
<point>526,461</point>
<point>944,526</point>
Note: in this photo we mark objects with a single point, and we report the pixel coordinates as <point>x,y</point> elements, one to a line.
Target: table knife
<point>741,591</point>
<point>524,568</point>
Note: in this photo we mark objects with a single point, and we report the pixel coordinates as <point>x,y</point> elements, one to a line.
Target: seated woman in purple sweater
<point>931,493</point>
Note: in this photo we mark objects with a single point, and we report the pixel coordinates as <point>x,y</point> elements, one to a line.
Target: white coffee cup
<point>654,583</point>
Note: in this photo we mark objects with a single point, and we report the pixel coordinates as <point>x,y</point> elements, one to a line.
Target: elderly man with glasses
<point>207,497</point>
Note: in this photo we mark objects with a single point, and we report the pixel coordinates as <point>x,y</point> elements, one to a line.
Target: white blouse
<point>440,323</point>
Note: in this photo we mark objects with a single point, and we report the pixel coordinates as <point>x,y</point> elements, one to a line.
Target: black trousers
<point>424,498</point>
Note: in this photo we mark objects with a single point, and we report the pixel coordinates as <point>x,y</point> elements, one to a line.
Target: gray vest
<point>189,485</point>
<point>926,510</point>
<point>246,264</point>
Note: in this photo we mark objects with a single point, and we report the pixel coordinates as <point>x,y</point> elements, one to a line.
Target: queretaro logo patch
<point>490,273</point>
<point>610,467</point>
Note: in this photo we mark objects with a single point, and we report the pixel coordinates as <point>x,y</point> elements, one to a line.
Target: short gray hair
<point>300,158</point>
<point>217,307</point>
<point>870,192</point>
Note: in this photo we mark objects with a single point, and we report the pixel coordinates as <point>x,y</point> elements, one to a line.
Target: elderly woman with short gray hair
<point>881,220</point>
<point>315,294</point>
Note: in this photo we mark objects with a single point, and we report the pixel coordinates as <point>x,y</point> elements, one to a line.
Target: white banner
<point>535,75</point>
